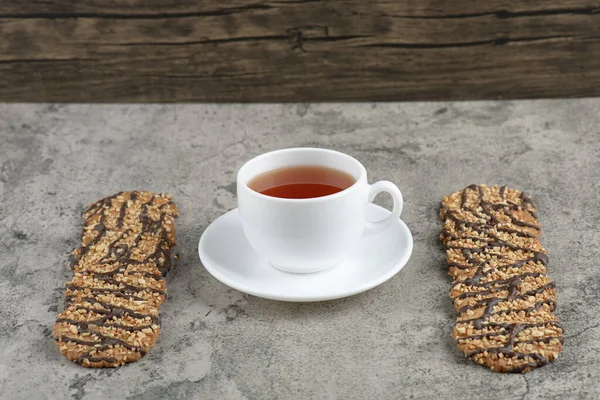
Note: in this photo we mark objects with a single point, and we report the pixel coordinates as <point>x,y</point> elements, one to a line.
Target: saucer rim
<point>391,272</point>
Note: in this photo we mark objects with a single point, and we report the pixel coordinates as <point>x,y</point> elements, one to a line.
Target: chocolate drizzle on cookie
<point>111,305</point>
<point>501,289</point>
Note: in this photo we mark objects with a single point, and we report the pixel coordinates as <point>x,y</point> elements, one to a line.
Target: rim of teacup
<point>242,171</point>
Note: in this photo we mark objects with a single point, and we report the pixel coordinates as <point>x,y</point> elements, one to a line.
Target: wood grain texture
<point>297,50</point>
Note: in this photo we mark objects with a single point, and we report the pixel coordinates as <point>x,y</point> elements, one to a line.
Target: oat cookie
<point>501,290</point>
<point>112,301</point>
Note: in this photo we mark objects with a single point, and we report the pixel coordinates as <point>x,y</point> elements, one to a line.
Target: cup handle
<point>374,190</point>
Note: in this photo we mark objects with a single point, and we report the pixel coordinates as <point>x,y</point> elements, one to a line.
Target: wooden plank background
<point>297,50</point>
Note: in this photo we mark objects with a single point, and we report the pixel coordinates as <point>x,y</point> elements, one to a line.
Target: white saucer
<point>228,256</point>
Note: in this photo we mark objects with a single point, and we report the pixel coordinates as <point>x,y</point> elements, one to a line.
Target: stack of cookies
<point>111,305</point>
<point>501,290</point>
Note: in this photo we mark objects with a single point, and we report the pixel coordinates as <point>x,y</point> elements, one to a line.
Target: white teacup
<point>309,235</point>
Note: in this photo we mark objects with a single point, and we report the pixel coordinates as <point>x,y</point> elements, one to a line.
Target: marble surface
<point>392,342</point>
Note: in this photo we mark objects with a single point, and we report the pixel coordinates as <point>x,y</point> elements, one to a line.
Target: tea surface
<point>301,182</point>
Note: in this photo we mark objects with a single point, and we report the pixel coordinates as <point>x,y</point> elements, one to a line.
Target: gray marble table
<point>392,342</point>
